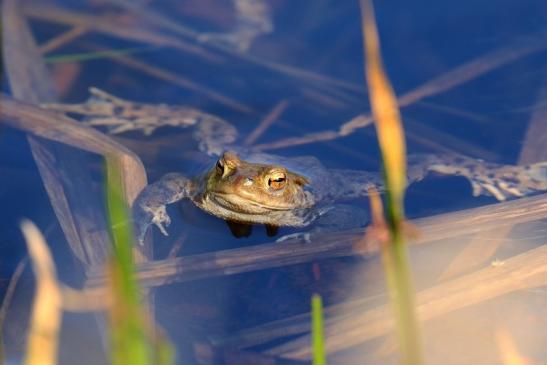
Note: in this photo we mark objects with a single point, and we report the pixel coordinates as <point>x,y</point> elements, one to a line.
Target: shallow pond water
<point>471,80</point>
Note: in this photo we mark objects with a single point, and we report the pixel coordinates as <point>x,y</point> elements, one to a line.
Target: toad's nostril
<point>248,181</point>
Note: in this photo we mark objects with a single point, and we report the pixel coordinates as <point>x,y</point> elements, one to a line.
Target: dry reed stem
<point>29,80</point>
<point>63,39</point>
<point>336,244</point>
<point>508,350</point>
<point>266,122</point>
<point>87,300</point>
<point>535,140</point>
<point>43,334</point>
<point>10,290</point>
<point>111,27</point>
<point>483,246</point>
<point>57,127</point>
<point>476,252</point>
<point>436,140</point>
<point>176,79</point>
<point>177,246</point>
<point>524,271</point>
<point>158,19</point>
<point>459,112</point>
<point>447,81</point>
<point>6,302</point>
<point>432,229</point>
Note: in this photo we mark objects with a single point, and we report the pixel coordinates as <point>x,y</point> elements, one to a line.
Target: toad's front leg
<point>329,219</point>
<point>150,206</point>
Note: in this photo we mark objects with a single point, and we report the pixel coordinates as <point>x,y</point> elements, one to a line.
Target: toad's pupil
<point>276,181</point>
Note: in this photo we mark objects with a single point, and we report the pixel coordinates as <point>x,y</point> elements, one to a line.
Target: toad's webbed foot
<point>119,116</point>
<point>144,216</point>
<point>100,105</point>
<point>214,134</point>
<point>299,236</point>
<point>150,206</point>
<point>499,181</point>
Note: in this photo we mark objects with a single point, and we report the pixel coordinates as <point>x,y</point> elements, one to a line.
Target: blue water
<point>484,118</point>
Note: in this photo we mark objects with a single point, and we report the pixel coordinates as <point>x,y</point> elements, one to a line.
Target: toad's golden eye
<point>277,180</point>
<point>220,167</point>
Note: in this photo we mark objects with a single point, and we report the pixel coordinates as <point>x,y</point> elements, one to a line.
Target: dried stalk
<point>109,26</point>
<point>178,80</point>
<point>337,244</point>
<point>439,141</point>
<point>266,122</point>
<point>6,302</point>
<point>157,19</point>
<point>527,270</point>
<point>45,324</point>
<point>456,77</point>
<point>485,244</point>
<point>84,228</point>
<point>63,39</point>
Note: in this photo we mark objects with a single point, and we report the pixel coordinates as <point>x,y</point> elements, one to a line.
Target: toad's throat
<point>237,203</point>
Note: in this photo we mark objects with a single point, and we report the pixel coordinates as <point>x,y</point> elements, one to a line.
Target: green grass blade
<point>318,341</point>
<point>132,338</point>
<point>129,344</point>
<point>87,56</point>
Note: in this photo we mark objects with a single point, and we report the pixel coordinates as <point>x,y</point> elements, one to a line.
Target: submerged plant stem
<point>88,56</point>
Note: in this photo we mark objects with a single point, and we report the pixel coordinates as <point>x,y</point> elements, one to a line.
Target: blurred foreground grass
<point>391,139</point>
<point>134,337</point>
<point>43,337</point>
<point>390,133</point>
<point>318,341</point>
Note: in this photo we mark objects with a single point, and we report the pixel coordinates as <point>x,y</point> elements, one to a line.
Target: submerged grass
<point>133,338</point>
<point>318,341</point>
<point>392,144</point>
<point>88,56</point>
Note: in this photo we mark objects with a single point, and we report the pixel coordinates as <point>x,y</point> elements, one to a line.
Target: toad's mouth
<point>241,204</point>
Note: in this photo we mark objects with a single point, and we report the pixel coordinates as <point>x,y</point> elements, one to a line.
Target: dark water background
<point>484,118</point>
